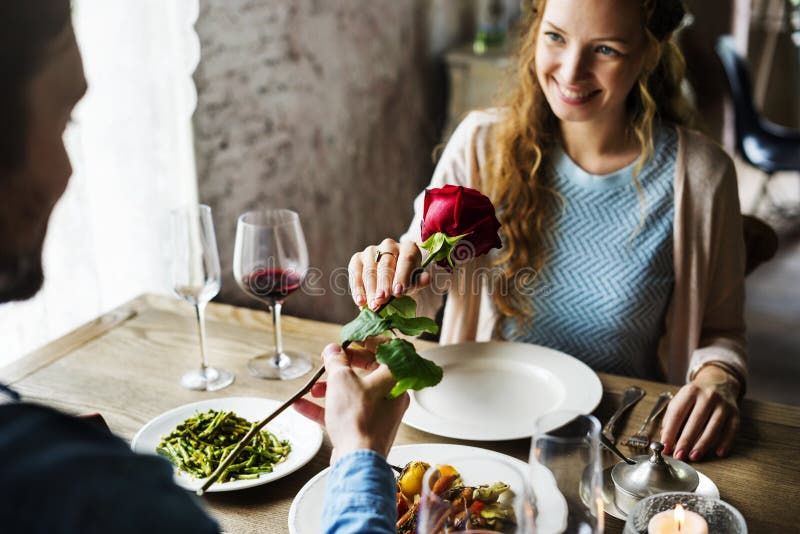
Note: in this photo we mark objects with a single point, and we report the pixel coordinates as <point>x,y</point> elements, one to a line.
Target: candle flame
<point>680,517</point>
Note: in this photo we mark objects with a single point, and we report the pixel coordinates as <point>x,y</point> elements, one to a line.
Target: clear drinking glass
<point>566,474</point>
<point>196,277</point>
<point>270,260</point>
<point>440,513</point>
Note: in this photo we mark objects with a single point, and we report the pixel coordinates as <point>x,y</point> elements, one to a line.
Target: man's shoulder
<point>81,478</point>
<point>30,429</point>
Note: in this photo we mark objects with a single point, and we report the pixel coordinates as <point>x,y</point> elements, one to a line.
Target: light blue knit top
<point>603,291</point>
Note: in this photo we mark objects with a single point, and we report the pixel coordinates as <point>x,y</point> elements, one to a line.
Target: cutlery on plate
<point>630,397</point>
<point>641,440</point>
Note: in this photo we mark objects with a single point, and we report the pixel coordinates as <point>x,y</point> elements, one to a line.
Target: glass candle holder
<point>720,516</point>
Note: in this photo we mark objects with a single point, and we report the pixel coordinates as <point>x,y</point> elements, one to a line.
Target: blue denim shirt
<point>360,496</point>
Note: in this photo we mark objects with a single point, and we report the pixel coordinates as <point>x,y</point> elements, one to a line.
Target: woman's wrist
<point>713,372</point>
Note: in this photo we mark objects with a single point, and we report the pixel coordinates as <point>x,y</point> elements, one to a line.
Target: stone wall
<point>330,108</point>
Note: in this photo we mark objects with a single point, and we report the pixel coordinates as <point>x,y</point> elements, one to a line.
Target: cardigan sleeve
<point>722,333</point>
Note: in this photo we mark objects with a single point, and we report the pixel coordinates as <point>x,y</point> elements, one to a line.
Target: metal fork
<point>641,439</point>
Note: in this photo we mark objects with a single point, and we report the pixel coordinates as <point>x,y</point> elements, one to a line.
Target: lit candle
<point>677,521</point>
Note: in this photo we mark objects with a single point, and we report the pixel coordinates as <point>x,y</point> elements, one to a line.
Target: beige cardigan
<point>704,319</point>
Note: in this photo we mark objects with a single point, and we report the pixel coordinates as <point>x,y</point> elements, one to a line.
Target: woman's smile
<point>575,96</point>
<point>589,56</point>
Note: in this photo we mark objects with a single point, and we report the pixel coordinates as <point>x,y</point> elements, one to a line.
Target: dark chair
<point>760,242</point>
<point>767,146</point>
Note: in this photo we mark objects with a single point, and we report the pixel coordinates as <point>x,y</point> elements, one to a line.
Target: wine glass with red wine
<point>270,259</point>
<point>196,277</point>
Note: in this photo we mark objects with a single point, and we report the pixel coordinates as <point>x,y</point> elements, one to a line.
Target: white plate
<point>305,515</point>
<point>497,390</point>
<point>304,435</point>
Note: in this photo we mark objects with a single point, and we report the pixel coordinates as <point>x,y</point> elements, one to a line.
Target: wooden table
<point>127,363</point>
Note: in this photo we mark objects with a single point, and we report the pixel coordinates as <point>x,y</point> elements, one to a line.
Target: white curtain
<point>132,152</point>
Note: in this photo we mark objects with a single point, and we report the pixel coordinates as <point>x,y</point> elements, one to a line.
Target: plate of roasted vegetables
<point>196,437</point>
<point>468,482</point>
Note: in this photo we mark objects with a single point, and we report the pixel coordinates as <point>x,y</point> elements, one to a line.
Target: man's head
<point>42,80</point>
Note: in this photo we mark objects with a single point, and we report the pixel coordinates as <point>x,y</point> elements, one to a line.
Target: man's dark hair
<point>27,27</point>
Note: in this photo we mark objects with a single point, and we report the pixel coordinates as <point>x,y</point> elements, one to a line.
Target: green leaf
<point>434,242</point>
<point>455,239</point>
<point>411,370</point>
<point>434,245</point>
<point>403,306</point>
<point>440,245</point>
<point>413,326</point>
<point>368,323</point>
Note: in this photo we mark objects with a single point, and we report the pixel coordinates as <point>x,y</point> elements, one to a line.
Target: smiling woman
<point>586,73</point>
<point>628,218</point>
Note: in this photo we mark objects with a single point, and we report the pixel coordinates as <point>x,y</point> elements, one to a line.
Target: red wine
<point>271,284</point>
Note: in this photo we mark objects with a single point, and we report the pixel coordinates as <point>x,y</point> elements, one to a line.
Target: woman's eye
<point>554,37</point>
<point>607,51</point>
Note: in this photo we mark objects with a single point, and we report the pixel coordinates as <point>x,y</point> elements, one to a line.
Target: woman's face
<point>28,195</point>
<point>589,54</point>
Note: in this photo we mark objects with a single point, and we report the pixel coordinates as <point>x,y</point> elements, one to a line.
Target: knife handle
<point>630,397</point>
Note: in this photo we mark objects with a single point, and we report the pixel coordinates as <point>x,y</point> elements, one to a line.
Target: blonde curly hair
<point>523,141</point>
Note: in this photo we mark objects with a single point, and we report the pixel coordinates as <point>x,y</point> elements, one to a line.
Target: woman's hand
<point>372,283</point>
<point>703,417</point>
<point>357,414</point>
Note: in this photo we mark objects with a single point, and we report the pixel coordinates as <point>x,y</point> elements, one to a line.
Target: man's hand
<point>703,416</point>
<point>357,414</point>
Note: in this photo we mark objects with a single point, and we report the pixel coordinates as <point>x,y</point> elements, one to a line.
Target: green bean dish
<point>199,444</point>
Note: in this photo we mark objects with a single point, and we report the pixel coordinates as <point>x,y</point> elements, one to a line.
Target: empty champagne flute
<point>196,277</point>
<point>566,474</point>
<point>503,502</point>
<point>270,260</point>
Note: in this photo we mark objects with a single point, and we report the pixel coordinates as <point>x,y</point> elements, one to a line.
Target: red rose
<point>465,217</point>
